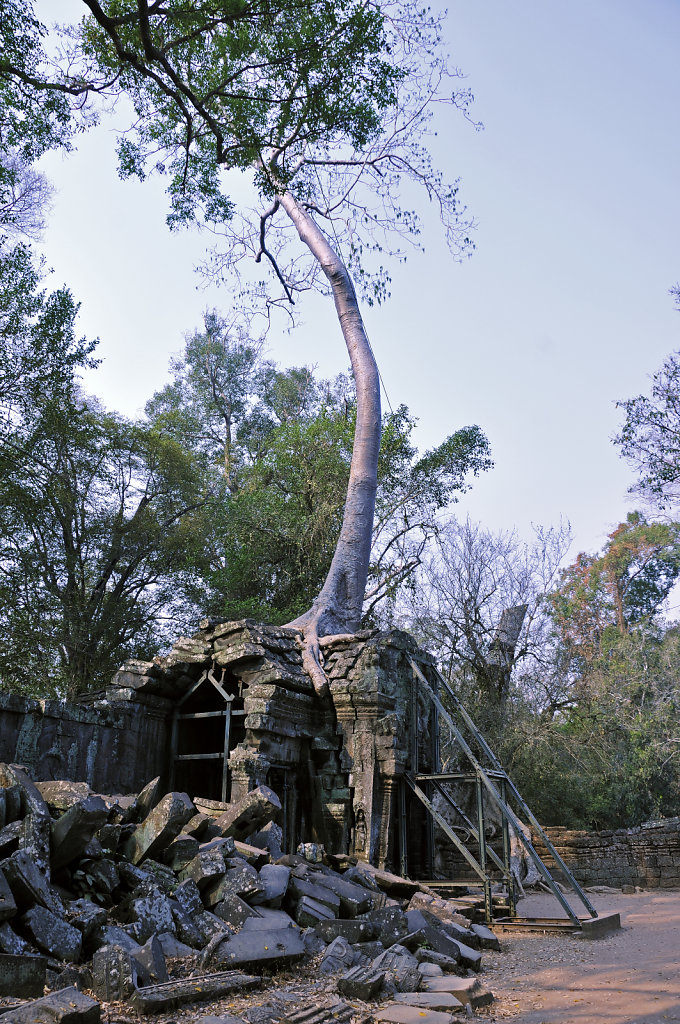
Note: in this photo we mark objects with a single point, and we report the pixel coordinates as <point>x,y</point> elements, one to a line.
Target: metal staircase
<point>491,782</point>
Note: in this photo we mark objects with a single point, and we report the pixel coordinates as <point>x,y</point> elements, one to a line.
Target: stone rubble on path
<point>155,902</point>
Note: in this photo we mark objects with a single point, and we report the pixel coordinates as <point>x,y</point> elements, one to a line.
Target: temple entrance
<point>207,724</point>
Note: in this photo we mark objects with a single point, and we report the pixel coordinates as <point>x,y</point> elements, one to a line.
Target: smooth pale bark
<point>337,609</point>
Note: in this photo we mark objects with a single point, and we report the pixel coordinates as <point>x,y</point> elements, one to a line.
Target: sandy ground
<point>630,977</point>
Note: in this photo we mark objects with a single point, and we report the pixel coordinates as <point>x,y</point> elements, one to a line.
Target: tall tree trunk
<point>337,609</point>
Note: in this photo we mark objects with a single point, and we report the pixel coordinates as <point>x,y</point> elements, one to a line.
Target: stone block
<point>188,896</point>
<point>61,794</point>
<point>339,956</point>
<point>268,919</point>
<point>400,968</point>
<point>466,990</point>
<point>279,948</point>
<point>361,983</point>
<point>487,939</point>
<point>198,825</point>
<point>443,943</point>
<point>172,947</point>
<point>52,934</point>
<point>9,838</point>
<point>250,814</point>
<point>69,1006</point>
<point>234,911</point>
<point>398,1013</point>
<point>186,929</point>
<point>28,883</point>
<point>22,976</point>
<point>391,922</point>
<point>205,868</point>
<point>110,935</point>
<point>86,916</point>
<point>159,828</point>
<point>150,915</point>
<point>173,994</point>
<point>333,1013</point>
<point>352,930</point>
<point>354,899</point>
<point>270,839</point>
<point>252,854</point>
<point>147,799</point>
<point>114,974</point>
<point>152,960</point>
<point>299,887</point>
<point>8,905</point>
<point>210,926</point>
<point>274,881</point>
<point>309,912</point>
<point>418,919</point>
<point>74,829</point>
<point>180,852</point>
<point>12,943</point>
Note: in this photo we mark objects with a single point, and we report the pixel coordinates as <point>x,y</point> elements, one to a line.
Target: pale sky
<point>562,309</point>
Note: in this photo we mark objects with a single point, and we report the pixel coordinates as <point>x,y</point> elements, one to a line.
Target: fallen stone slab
<point>443,943</point>
<point>429,970</point>
<point>234,911</point>
<point>188,895</point>
<point>400,968</point>
<point>309,912</point>
<point>352,930</point>
<point>354,899</point>
<point>299,887</point>
<point>249,814</point>
<point>35,827</point>
<point>418,919</point>
<point>74,829</point>
<point>445,910</point>
<point>392,924</point>
<point>71,976</point>
<point>160,827</point>
<point>429,1000</point>
<point>339,956</point>
<point>274,880</point>
<point>8,905</point>
<point>335,1013</point>
<point>225,1018</point>
<point>147,799</point>
<point>61,794</point>
<point>400,1013</point>
<point>68,1006</point>
<point>86,916</point>
<point>393,885</point>
<point>110,935</point>
<point>487,939</point>
<point>22,976</point>
<point>206,869</point>
<point>361,983</point>
<point>150,915</point>
<point>28,883</point>
<point>430,956</point>
<point>241,880</point>
<point>180,852</point>
<point>173,948</point>
<point>115,974</point>
<point>173,994</point>
<point>152,960</point>
<point>598,927</point>
<point>466,990</point>
<point>52,934</point>
<point>260,948</point>
<point>253,854</point>
<point>268,919</point>
<point>12,943</point>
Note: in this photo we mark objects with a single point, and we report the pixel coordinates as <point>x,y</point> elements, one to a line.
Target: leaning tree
<point>326,105</point>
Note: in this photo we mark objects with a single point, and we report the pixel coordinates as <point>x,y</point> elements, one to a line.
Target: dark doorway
<point>207,725</point>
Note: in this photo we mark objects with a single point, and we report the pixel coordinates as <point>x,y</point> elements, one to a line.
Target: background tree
<point>280,445</point>
<point>93,509</point>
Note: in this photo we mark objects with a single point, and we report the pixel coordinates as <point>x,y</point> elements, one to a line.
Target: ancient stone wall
<point>648,856</point>
<point>116,747</point>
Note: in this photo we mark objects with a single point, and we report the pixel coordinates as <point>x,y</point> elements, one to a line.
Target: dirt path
<point>629,977</point>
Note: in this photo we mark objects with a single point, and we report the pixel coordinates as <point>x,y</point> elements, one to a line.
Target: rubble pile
<point>100,894</point>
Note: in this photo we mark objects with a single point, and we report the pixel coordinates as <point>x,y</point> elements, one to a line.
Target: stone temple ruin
<point>240,713</point>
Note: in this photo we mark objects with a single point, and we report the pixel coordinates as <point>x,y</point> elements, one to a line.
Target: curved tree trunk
<point>337,609</point>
